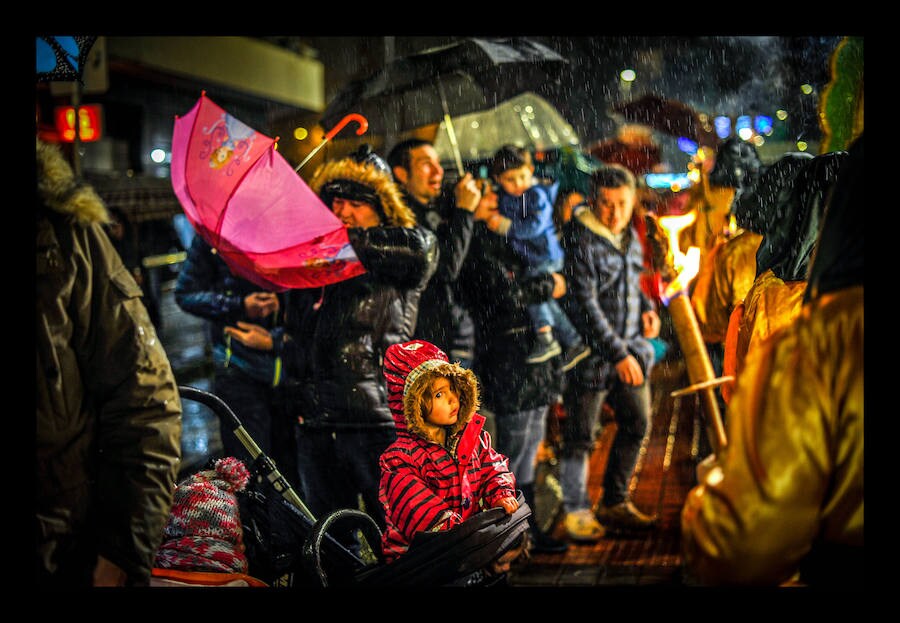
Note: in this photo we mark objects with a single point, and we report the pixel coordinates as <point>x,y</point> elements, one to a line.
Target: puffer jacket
<point>493,287</point>
<point>339,332</point>
<point>604,299</point>
<point>529,223</point>
<point>207,288</point>
<point>425,485</point>
<point>108,420</point>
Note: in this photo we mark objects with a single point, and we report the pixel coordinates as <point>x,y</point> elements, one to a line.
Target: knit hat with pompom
<point>204,531</point>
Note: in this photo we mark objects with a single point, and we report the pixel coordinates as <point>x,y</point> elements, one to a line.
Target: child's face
<point>614,207</point>
<point>444,403</point>
<point>516,181</point>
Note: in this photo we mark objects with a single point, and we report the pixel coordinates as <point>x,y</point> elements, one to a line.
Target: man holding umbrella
<point>417,169</point>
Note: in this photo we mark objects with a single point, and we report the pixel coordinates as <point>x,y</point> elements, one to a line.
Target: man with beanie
<point>336,336</point>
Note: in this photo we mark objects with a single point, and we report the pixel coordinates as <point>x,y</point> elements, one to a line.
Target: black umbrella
<point>465,76</point>
<point>61,58</point>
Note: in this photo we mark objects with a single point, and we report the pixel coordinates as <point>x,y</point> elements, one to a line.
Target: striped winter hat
<point>408,367</point>
<point>204,532</point>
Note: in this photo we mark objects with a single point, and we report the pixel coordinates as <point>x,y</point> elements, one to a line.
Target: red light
<point>88,123</point>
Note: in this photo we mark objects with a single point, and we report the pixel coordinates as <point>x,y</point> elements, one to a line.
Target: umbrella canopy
<point>465,76</point>
<point>526,120</point>
<point>249,204</point>
<point>668,116</point>
<point>61,58</point>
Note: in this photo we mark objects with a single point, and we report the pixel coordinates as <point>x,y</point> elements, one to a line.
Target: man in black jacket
<point>517,395</point>
<point>417,169</point>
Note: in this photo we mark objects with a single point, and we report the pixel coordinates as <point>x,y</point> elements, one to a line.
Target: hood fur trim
<point>587,218</point>
<point>58,189</point>
<point>395,209</point>
<point>413,400</point>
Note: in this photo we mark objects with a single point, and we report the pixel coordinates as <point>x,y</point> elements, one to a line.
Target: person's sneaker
<point>574,355</point>
<point>543,543</point>
<point>624,516</point>
<point>582,527</point>
<point>545,347</point>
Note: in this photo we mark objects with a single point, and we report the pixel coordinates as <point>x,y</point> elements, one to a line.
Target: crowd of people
<point>419,392</point>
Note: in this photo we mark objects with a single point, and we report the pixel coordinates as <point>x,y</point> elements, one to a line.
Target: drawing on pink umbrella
<point>249,204</point>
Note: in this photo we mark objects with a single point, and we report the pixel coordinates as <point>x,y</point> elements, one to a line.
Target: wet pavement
<point>183,336</point>
<point>664,475</point>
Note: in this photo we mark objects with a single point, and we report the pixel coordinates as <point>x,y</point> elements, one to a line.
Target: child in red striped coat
<point>442,469</point>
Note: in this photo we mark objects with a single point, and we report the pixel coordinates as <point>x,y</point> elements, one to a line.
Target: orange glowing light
<point>89,125</point>
<point>686,265</point>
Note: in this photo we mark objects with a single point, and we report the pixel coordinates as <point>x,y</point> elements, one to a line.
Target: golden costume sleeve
<point>791,478</point>
<point>725,279</point>
<point>770,305</point>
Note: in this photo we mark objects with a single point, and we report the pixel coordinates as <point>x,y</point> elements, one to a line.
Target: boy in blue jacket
<point>525,216</point>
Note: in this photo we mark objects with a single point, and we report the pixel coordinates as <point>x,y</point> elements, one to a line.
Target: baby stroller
<point>286,546</point>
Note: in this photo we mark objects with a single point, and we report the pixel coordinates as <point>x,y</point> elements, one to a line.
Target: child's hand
<point>510,505</point>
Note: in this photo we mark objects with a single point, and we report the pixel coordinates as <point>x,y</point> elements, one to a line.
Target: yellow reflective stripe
<point>277,378</point>
<point>227,349</point>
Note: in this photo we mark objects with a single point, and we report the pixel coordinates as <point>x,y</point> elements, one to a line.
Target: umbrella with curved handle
<point>435,85</point>
<point>248,203</point>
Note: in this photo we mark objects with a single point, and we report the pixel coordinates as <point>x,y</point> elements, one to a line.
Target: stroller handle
<point>266,464</point>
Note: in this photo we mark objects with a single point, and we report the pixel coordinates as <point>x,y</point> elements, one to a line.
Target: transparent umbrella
<point>526,120</point>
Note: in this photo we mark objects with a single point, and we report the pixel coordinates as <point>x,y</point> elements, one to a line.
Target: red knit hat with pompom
<point>204,531</point>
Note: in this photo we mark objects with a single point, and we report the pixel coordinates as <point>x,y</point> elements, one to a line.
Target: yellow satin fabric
<point>791,477</point>
<point>712,205</point>
<point>723,282</point>
<point>769,305</point>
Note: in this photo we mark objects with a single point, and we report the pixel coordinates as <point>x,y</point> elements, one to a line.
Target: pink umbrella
<point>250,205</point>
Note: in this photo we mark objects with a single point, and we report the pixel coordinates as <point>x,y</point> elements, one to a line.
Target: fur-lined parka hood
<point>58,189</point>
<point>395,209</point>
<point>409,369</point>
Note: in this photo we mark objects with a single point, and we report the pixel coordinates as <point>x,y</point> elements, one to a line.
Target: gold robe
<point>723,282</point>
<point>788,488</point>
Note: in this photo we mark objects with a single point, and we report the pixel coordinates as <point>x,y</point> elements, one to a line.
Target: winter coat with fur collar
<point>340,332</point>
<point>108,422</point>
<point>427,486</point>
<point>604,298</point>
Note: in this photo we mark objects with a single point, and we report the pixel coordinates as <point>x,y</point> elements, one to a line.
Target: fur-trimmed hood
<point>409,369</point>
<point>395,209</point>
<point>58,189</point>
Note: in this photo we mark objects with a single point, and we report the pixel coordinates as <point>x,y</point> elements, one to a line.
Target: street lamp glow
<point>806,88</point>
<point>627,75</point>
<point>801,145</point>
<point>158,155</point>
<point>300,133</point>
<point>781,114</point>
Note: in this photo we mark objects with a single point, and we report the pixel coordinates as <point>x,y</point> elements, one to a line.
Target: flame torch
<point>681,268</point>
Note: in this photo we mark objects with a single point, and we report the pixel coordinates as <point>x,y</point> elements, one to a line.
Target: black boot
<point>541,542</point>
